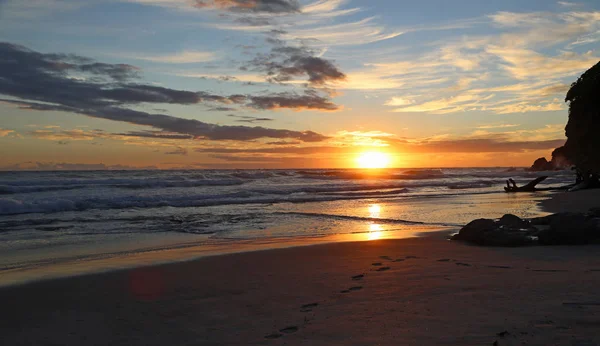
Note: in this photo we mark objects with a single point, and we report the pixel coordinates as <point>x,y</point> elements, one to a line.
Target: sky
<point>205,84</point>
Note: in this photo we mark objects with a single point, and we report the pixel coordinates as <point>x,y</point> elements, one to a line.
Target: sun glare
<point>373,159</point>
<point>375,232</point>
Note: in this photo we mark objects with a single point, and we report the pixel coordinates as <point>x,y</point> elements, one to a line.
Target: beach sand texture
<point>417,291</point>
<point>434,293</point>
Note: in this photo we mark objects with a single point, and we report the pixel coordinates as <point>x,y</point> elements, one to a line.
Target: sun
<point>373,159</point>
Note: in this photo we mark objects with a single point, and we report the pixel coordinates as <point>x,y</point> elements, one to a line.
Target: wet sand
<point>578,201</point>
<point>419,291</point>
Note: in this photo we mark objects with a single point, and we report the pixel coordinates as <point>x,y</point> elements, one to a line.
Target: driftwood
<point>530,187</point>
<point>511,186</point>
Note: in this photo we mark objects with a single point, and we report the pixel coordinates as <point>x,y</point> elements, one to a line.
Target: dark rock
<point>593,213</point>
<point>541,164</point>
<point>570,229</point>
<point>556,229</point>
<point>513,221</point>
<point>474,231</point>
<point>547,220</point>
<point>510,230</point>
<point>559,159</point>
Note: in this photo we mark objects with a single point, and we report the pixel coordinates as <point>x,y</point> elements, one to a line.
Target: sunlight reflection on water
<point>375,230</point>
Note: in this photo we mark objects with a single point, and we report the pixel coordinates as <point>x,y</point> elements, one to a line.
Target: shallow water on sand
<point>55,219</point>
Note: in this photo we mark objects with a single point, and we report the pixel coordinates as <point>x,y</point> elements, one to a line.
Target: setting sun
<point>373,159</point>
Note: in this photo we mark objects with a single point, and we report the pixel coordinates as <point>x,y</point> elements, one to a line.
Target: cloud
<point>522,66</point>
<point>483,145</point>
<point>344,34</point>
<point>276,150</point>
<point>311,24</point>
<point>248,119</point>
<point>524,63</point>
<point>155,134</point>
<point>256,6</point>
<point>236,158</point>
<point>18,9</point>
<point>283,143</point>
<point>74,135</point>
<point>64,166</point>
<point>222,109</point>
<point>44,81</point>
<point>493,144</point>
<point>526,107</point>
<point>567,4</point>
<point>285,62</point>
<point>184,57</point>
<point>309,100</point>
<point>398,101</point>
<point>497,126</point>
<point>4,132</point>
<point>178,151</point>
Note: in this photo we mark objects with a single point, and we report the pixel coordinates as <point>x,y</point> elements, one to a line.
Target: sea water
<point>62,217</point>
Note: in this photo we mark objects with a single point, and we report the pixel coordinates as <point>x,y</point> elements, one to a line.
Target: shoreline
<point>96,264</point>
<point>68,267</point>
<point>418,290</point>
<point>577,201</point>
<point>425,291</point>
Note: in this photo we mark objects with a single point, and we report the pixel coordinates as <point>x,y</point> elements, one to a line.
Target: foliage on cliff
<point>583,128</point>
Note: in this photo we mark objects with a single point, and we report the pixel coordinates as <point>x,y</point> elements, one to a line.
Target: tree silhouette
<point>583,128</point>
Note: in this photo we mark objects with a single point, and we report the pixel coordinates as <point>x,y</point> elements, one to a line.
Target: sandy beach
<point>417,291</point>
<point>578,201</point>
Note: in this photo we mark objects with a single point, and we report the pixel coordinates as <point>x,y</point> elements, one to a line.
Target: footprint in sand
<point>463,264</point>
<point>308,307</point>
<point>273,336</point>
<point>444,260</point>
<point>358,277</point>
<point>500,267</point>
<point>550,270</point>
<point>382,269</point>
<point>376,264</point>
<point>387,258</point>
<point>352,289</point>
<point>399,260</point>
<point>289,330</point>
<point>411,257</point>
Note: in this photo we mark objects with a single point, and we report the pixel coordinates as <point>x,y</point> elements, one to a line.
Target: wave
<point>422,174</point>
<point>370,219</point>
<point>368,175</point>
<point>9,206</point>
<point>471,185</point>
<point>30,186</point>
<point>9,190</point>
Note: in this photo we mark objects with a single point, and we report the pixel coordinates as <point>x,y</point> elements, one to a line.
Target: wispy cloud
<point>178,151</point>
<point>497,126</point>
<point>183,57</point>
<point>43,82</point>
<point>529,55</point>
<point>72,135</point>
<point>18,9</point>
<point>258,6</point>
<point>53,166</point>
<point>568,4</point>
<point>5,132</point>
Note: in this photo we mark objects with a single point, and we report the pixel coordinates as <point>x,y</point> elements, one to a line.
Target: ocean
<point>50,218</point>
